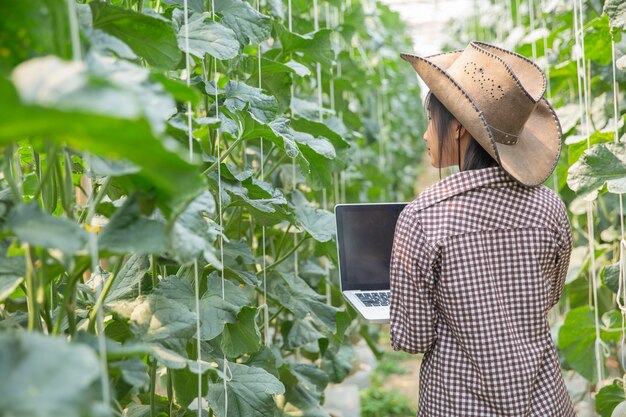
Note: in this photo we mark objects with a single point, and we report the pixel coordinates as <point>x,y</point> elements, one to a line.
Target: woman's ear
<point>461,129</point>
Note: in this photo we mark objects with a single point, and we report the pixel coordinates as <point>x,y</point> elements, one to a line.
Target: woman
<point>480,257</point>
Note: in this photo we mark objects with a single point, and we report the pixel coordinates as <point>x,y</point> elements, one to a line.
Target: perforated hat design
<point>497,95</point>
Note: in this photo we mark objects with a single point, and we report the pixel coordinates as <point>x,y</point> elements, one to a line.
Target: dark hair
<point>476,157</point>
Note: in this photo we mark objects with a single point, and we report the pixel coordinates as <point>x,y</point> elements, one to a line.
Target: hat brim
<point>535,155</point>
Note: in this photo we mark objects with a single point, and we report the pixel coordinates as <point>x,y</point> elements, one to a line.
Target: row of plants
<point>132,271</point>
<point>592,168</point>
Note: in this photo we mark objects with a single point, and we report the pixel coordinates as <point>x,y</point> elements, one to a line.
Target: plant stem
<point>287,255</point>
<point>49,166</point>
<point>153,367</point>
<point>232,218</point>
<point>8,173</point>
<point>69,295</point>
<point>31,291</point>
<point>101,191</point>
<point>170,390</point>
<point>266,157</point>
<point>273,317</point>
<point>154,270</point>
<point>276,165</point>
<point>228,151</point>
<point>282,241</point>
<point>104,292</point>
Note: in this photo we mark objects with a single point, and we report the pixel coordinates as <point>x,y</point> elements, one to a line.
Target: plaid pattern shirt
<point>478,260</point>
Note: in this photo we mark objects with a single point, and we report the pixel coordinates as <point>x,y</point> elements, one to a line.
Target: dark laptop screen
<point>365,239</point>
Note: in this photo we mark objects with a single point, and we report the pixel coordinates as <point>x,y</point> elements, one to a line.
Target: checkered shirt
<point>478,260</point>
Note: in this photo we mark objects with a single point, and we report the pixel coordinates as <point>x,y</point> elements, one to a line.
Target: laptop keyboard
<point>374,299</point>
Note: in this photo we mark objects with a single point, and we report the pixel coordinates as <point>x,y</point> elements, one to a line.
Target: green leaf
<point>128,231</point>
<point>598,40</point>
<point>104,43</point>
<point>610,276</point>
<point>134,371</point>
<point>609,397</point>
<point>296,296</point>
<point>192,233</point>
<point>319,129</point>
<point>215,312</point>
<point>338,361</point>
<point>318,154</point>
<point>195,5</point>
<point>30,224</point>
<point>319,223</point>
<point>48,31</point>
<point>577,338</point>
<point>149,37</point>
<point>304,383</point>
<point>129,277</point>
<point>12,271</point>
<point>602,163</point>
<point>185,385</point>
<point>210,37</point>
<point>243,336</point>
<point>315,45</point>
<point>59,383</point>
<point>266,203</point>
<point>137,410</point>
<point>576,149</point>
<point>107,167</point>
<point>106,136</point>
<point>302,331</point>
<point>244,20</point>
<point>261,106</point>
<point>159,319</point>
<point>616,10</point>
<point>250,392</point>
<point>177,89</point>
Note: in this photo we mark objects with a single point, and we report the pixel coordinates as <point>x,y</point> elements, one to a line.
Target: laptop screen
<point>364,242</point>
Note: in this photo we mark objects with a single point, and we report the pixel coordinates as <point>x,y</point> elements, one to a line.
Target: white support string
<point>196,280</point>
<point>580,43</point>
<point>546,70</point>
<point>264,307</point>
<point>531,16</point>
<point>339,21</point>
<point>227,374</point>
<point>293,160</point>
<point>546,51</point>
<point>93,241</point>
<point>622,245</point>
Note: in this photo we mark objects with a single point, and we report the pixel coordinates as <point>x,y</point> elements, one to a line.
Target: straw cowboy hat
<point>497,95</point>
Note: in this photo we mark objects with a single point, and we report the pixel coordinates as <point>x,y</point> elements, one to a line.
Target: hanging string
<point>227,374</point>
<point>546,51</point>
<point>580,43</point>
<point>196,280</point>
<point>622,246</point>
<point>96,274</point>
<point>546,70</point>
<point>264,308</point>
<point>531,16</point>
<point>293,160</point>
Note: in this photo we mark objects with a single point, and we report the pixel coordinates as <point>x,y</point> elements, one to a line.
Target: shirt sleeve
<point>413,316</point>
<point>564,251</point>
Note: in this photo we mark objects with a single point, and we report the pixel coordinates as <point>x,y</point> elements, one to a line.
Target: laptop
<point>365,234</point>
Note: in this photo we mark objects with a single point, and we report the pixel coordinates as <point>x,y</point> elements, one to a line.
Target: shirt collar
<point>460,182</point>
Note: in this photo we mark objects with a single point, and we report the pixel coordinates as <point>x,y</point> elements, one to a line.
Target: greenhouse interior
<point>244,208</point>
